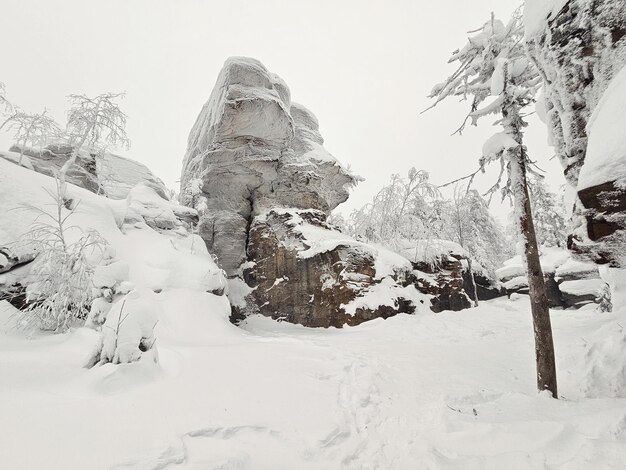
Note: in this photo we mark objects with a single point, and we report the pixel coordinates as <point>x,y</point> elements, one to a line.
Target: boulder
<point>15,255</point>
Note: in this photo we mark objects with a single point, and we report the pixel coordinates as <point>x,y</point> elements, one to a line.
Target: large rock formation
<point>263,184</point>
<point>252,149</point>
<point>580,47</point>
<point>602,179</point>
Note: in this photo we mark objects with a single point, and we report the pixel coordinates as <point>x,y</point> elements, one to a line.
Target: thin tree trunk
<point>544,345</point>
<point>470,271</point>
<point>542,327</point>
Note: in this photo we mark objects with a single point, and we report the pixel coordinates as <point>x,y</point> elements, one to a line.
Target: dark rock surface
<point>315,289</point>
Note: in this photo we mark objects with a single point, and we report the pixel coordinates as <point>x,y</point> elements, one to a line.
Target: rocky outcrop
<point>602,181</point>
<point>446,277</point>
<point>251,150</point>
<point>13,256</point>
<point>570,283</point>
<point>108,174</point>
<point>306,271</point>
<point>580,51</point>
<point>144,205</point>
<point>263,185</point>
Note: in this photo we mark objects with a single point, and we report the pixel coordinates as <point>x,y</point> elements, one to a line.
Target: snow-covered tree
<point>494,71</point>
<point>60,291</point>
<point>93,123</point>
<point>398,211</point>
<point>548,213</point>
<point>31,129</point>
<point>471,225</point>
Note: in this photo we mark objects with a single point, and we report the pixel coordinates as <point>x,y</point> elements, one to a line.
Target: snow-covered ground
<point>449,390</point>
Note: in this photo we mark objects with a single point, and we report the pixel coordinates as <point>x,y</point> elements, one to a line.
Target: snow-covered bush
<point>128,331</point>
<point>109,284</point>
<point>60,290</point>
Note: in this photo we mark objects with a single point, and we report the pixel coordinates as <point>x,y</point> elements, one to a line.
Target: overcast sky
<point>364,67</point>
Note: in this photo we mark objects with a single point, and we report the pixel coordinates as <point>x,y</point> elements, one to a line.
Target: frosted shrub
<point>128,332</point>
<point>60,292</point>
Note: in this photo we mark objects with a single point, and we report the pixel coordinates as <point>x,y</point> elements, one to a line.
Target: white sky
<point>364,67</point>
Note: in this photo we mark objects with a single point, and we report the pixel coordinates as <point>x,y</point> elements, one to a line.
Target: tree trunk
<point>544,346</point>
<point>473,281</point>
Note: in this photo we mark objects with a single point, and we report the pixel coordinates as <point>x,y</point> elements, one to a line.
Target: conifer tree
<point>494,71</point>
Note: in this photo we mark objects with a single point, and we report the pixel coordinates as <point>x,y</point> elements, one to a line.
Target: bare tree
<point>93,123</point>
<point>36,130</point>
<point>398,211</point>
<point>493,64</point>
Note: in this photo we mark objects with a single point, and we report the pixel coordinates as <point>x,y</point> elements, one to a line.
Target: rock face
<point>447,279</point>
<point>580,51</point>
<point>250,150</point>
<point>305,271</point>
<point>109,174</point>
<point>602,180</point>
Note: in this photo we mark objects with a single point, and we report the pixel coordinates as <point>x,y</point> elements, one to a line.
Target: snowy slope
<point>155,260</point>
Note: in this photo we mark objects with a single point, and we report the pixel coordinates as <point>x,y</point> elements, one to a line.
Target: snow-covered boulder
<point>306,271</point>
<point>570,283</point>
<point>128,331</point>
<point>145,204</point>
<point>251,150</point>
